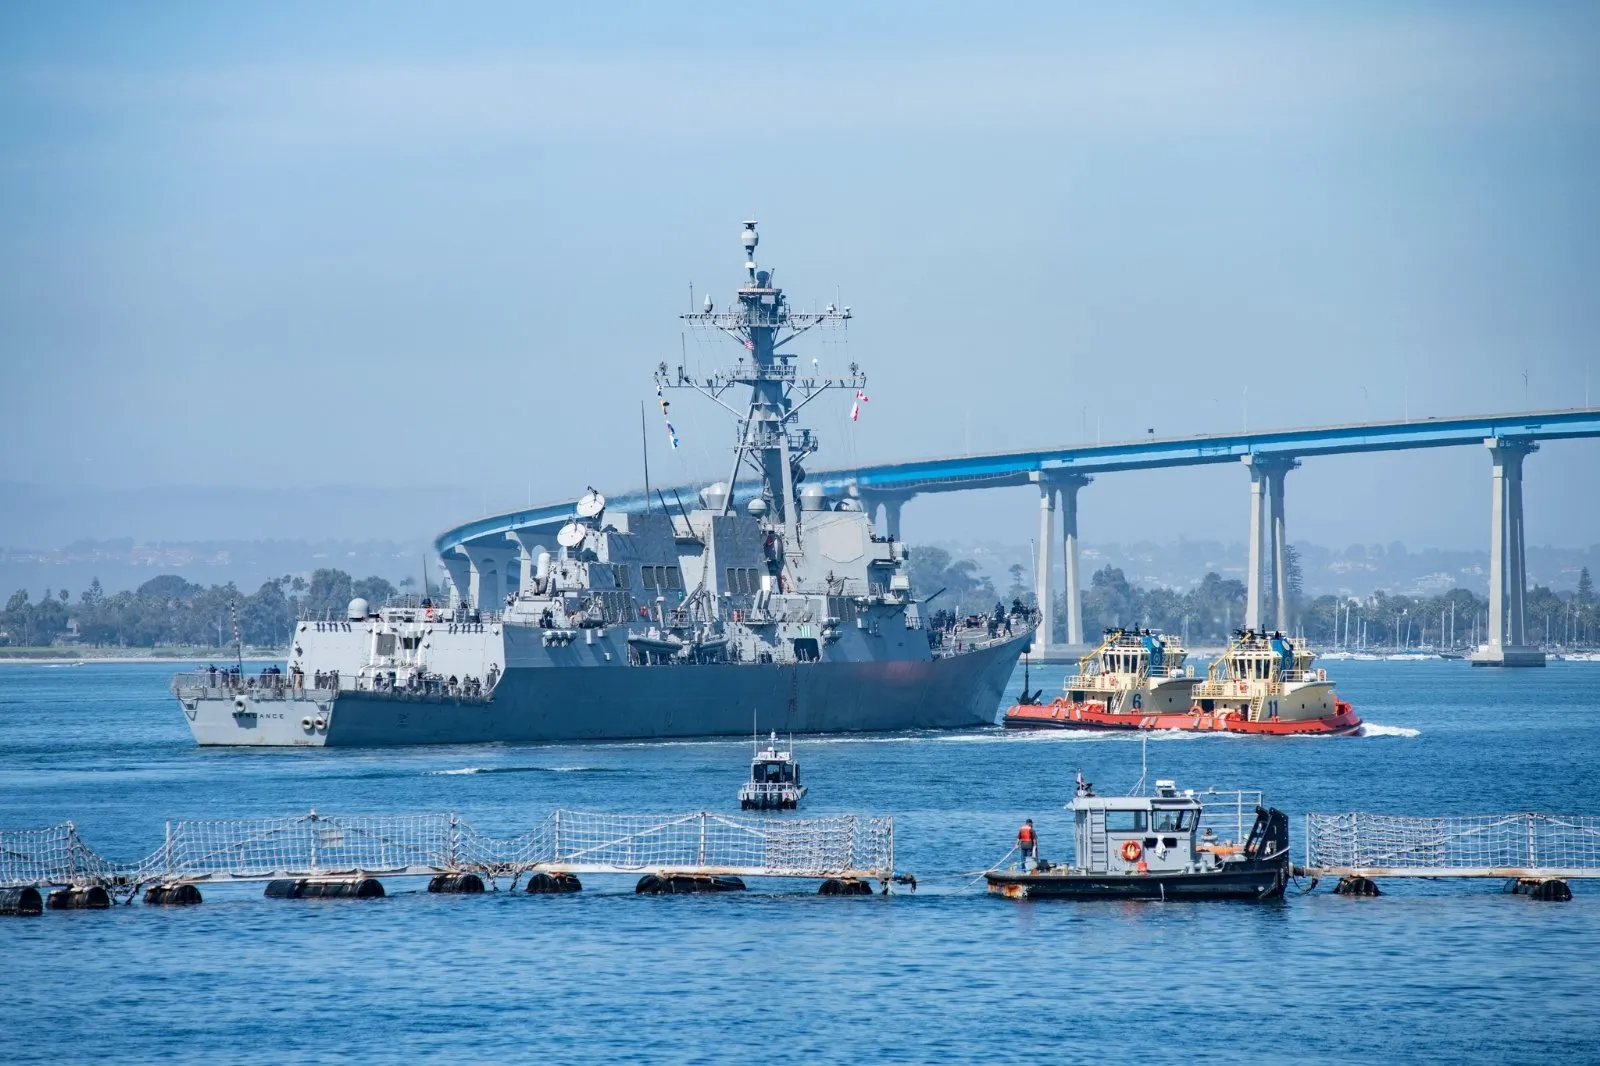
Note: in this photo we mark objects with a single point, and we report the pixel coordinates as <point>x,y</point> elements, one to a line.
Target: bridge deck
<point>1002,469</point>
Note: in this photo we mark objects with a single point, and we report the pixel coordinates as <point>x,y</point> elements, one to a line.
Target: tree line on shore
<point>170,611</point>
<point>1210,611</point>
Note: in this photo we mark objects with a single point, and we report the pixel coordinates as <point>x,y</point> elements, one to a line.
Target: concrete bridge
<point>478,555</point>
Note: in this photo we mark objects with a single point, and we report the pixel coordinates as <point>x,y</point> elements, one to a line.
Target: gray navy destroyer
<point>770,598</point>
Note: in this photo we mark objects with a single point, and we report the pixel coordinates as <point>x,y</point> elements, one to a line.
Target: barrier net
<point>820,847</point>
<point>313,844</point>
<point>54,855</point>
<point>1459,844</point>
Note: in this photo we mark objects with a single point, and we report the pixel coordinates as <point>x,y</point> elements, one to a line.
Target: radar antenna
<point>770,439</point>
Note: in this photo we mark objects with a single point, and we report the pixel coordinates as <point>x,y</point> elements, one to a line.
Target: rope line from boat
<point>985,873</point>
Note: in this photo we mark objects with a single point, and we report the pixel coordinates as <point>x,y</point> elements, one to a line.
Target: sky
<point>438,249</point>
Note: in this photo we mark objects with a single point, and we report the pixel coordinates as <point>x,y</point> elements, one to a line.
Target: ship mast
<point>770,440</point>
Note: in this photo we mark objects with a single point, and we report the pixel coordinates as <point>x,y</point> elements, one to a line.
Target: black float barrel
<point>90,898</point>
<point>23,901</point>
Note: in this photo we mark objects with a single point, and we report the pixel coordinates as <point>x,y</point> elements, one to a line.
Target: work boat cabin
<point>774,783</point>
<point>1139,834</point>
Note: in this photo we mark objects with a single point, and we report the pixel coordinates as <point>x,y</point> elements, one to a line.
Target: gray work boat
<point>774,783</point>
<point>770,594</point>
<point>1162,847</point>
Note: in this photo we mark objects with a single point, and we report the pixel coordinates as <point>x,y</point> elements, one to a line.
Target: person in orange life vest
<point>1028,843</point>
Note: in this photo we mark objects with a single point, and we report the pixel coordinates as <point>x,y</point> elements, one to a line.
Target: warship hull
<point>576,703</point>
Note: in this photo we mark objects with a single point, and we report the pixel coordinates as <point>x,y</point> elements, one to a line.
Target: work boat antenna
<point>770,441</point>
<point>1144,747</point>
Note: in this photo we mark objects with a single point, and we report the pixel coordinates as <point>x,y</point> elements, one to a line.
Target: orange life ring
<point>1131,850</point>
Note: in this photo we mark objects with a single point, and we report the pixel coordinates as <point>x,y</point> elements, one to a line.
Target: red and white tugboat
<point>1132,675</point>
<point>1263,684</point>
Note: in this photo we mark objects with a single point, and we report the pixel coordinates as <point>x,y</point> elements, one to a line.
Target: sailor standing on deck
<point>1028,844</point>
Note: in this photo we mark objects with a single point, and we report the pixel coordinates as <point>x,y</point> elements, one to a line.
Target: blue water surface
<point>1438,972</point>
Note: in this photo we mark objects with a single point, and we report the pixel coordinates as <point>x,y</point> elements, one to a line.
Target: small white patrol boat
<point>774,783</point>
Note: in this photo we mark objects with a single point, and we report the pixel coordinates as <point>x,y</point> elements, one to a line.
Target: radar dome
<point>813,498</point>
<point>713,496</point>
<point>757,507</point>
<point>357,611</point>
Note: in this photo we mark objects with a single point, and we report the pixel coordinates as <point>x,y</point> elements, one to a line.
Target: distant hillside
<point>126,563</point>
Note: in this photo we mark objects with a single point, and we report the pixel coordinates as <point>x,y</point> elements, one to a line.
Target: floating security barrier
<point>456,884</point>
<point>317,855</point>
<point>846,886</point>
<point>1551,890</point>
<point>325,888</point>
<point>181,895</point>
<point>549,884</point>
<point>680,884</point>
<point>23,901</point>
<point>87,898</point>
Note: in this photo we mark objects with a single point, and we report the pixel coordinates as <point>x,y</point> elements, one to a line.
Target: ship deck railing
<point>1518,845</point>
<point>1228,813</point>
<point>317,845</point>
<point>203,684</point>
<point>1233,687</point>
<point>769,789</point>
<point>964,640</point>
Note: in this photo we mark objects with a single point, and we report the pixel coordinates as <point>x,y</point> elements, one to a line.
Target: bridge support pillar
<point>1252,598</point>
<point>1508,565</point>
<point>489,567</point>
<point>891,515</point>
<point>528,549</point>
<point>891,502</point>
<point>1266,480</point>
<point>1042,575</point>
<point>458,572</point>
<point>1069,484</point>
<point>1280,548</point>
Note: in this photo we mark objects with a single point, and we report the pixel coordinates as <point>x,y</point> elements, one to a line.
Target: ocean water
<point>1437,972</point>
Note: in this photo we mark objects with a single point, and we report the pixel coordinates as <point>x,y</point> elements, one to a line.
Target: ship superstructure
<point>770,594</point>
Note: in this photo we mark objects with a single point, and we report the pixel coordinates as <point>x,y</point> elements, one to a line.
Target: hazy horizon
<point>404,259</point>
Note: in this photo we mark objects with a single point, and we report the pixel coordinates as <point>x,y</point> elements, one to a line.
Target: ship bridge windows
<point>1125,821</point>
<point>620,575</point>
<point>411,643</point>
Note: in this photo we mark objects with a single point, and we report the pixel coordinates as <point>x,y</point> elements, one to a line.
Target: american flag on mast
<point>855,408</point>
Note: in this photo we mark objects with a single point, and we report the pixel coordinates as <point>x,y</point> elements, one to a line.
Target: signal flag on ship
<point>672,434</point>
<point>855,408</point>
